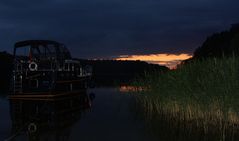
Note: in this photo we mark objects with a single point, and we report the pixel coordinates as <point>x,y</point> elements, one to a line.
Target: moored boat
<point>45,69</point>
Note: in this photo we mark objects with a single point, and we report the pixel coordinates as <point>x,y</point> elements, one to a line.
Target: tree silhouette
<point>6,65</point>
<point>220,44</point>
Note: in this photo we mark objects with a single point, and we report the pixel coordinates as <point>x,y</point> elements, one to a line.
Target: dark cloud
<point>106,28</point>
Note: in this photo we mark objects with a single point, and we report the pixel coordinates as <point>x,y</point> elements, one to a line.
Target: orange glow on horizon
<point>169,60</point>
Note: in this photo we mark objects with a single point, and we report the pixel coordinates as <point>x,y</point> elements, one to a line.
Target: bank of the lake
<point>198,101</point>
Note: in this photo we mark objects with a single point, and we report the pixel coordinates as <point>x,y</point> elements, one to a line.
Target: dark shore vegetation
<point>6,65</point>
<point>115,72</point>
<point>200,99</point>
<point>223,44</point>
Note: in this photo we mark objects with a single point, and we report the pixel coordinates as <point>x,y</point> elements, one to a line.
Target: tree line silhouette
<point>220,45</point>
<point>110,72</point>
<point>6,67</point>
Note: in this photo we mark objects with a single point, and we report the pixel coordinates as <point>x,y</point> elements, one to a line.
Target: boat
<point>45,69</point>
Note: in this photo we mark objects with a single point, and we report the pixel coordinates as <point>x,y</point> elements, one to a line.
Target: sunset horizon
<point>163,59</point>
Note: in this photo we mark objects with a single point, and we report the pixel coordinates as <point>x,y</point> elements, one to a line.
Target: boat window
<point>51,48</point>
<point>48,50</point>
<point>35,51</point>
<point>42,49</point>
<point>65,51</point>
<point>61,49</point>
<point>23,51</point>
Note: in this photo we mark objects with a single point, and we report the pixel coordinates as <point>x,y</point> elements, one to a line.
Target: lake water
<point>110,119</point>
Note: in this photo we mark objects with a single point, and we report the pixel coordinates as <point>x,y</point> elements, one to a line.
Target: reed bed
<point>198,101</point>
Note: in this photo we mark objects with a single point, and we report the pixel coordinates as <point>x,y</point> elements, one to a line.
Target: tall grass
<point>198,101</point>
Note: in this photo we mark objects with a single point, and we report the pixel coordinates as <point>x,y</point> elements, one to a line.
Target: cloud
<point>105,28</point>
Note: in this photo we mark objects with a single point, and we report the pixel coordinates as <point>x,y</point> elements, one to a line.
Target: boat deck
<point>49,96</point>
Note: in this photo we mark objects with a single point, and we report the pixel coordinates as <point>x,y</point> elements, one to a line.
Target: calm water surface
<point>109,119</point>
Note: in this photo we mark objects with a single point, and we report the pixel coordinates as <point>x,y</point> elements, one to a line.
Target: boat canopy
<point>41,48</point>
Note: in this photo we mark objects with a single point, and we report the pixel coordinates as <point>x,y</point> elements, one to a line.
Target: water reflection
<point>43,120</point>
<point>129,88</point>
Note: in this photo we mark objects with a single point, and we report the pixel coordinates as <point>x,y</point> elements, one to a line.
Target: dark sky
<point>109,28</point>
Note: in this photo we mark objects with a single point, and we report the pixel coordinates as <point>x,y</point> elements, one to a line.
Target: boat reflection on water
<point>51,119</point>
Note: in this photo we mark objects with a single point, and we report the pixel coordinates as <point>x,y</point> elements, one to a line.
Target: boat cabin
<point>47,66</point>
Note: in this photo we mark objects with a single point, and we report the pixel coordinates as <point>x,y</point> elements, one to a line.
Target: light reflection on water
<point>108,119</point>
<point>128,88</point>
